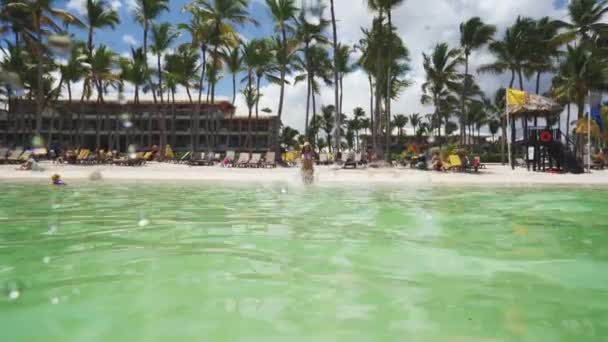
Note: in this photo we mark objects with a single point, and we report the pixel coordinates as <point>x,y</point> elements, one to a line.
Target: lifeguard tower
<point>543,147</point>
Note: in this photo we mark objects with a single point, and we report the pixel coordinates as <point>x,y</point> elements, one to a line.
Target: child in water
<point>308,163</point>
<point>56,179</point>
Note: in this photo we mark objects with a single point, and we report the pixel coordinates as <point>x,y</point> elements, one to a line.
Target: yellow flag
<point>516,97</point>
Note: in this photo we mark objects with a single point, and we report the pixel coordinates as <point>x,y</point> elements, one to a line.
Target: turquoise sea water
<point>215,262</point>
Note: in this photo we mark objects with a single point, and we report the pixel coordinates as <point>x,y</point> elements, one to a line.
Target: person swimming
<point>56,179</point>
<point>308,171</point>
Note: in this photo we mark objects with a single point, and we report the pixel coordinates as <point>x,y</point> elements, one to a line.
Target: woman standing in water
<point>308,158</point>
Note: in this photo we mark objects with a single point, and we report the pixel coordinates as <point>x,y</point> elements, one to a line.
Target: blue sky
<point>421,26</point>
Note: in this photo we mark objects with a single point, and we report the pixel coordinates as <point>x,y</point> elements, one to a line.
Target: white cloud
<point>115,4</point>
<point>129,39</point>
<point>77,5</point>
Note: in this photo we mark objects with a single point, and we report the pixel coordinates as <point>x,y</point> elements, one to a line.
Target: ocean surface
<point>140,261</point>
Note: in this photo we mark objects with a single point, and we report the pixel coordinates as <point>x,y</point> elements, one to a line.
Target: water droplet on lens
<point>132,155</point>
<point>95,176</point>
<point>143,222</point>
<point>52,229</point>
<point>37,141</point>
<point>54,300</point>
<point>46,259</point>
<point>14,294</point>
<point>131,149</point>
<point>127,124</point>
<point>283,190</point>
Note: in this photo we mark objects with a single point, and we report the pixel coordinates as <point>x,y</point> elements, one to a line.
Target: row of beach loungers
<point>253,160</point>
<point>15,156</point>
<point>348,160</point>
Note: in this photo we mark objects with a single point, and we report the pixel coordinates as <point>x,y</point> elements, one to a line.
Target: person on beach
<point>436,162</point>
<point>56,180</point>
<point>308,157</point>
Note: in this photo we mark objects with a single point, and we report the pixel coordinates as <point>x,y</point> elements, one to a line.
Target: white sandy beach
<point>494,174</point>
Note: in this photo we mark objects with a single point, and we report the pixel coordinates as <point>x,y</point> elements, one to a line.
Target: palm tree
<point>344,67</point>
<point>358,118</point>
<point>134,71</point>
<point>72,72</point>
<point>587,22</point>
<point>581,71</point>
<point>218,14</point>
<point>514,51</point>
<point>315,65</point>
<point>99,14</point>
<point>328,123</point>
<point>145,12</point>
<point>415,121</point>
<point>400,121</point>
<point>336,76</point>
<point>101,75</point>
<point>163,36</point>
<point>442,79</point>
<point>282,11</point>
<point>308,33</point>
<point>474,34</point>
<point>494,126</point>
<point>43,16</point>
<point>263,68</point>
<point>544,54</point>
<point>234,63</point>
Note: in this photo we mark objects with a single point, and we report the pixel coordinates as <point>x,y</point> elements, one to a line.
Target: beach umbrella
<point>582,125</point>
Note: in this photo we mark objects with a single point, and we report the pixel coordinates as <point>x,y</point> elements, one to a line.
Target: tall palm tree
<point>358,119</point>
<point>344,67</point>
<point>309,34</point>
<point>163,36</point>
<point>474,34</point>
<point>71,73</point>
<point>234,63</point>
<point>544,55</point>
<point>134,71</point>
<point>145,12</point>
<point>283,12</point>
<point>101,75</point>
<point>586,22</point>
<point>400,121</point>
<point>315,66</point>
<point>442,79</point>
<point>581,71</point>
<point>44,16</point>
<point>218,14</point>
<point>336,75</point>
<point>99,14</point>
<point>328,123</point>
<point>513,52</point>
<point>415,121</point>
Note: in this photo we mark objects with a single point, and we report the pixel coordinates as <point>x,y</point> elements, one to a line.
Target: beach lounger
<point>243,160</point>
<point>198,158</point>
<point>3,154</point>
<point>520,162</point>
<point>83,156</point>
<point>323,159</point>
<point>349,160</point>
<point>13,156</point>
<point>269,160</point>
<point>209,159</point>
<point>454,163</point>
<point>185,158</point>
<point>255,160</point>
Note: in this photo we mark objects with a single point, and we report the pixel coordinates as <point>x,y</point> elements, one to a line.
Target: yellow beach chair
<point>454,163</point>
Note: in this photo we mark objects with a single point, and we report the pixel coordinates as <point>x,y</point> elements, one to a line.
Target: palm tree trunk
<point>521,79</point>
<point>233,88</point>
<point>336,84</point>
<point>388,92</point>
<point>39,72</point>
<point>371,105</point>
<point>283,71</point>
<point>512,78</point>
<point>146,29</point>
<point>462,99</point>
<point>189,95</point>
<point>538,82</point>
<point>249,137</point>
<point>503,142</point>
<point>257,99</point>
<point>314,116</point>
<point>160,80</point>
<point>307,109</point>
<point>568,122</point>
<point>173,119</point>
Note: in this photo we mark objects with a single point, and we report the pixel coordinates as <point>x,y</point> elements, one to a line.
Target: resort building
<point>114,125</point>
